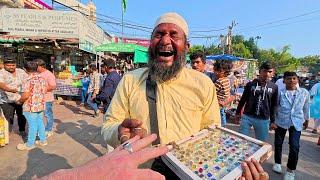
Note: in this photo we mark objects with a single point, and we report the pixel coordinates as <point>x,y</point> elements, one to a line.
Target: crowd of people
<point>98,87</point>
<point>28,93</point>
<point>166,99</point>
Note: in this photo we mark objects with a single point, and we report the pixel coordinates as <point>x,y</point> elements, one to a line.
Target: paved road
<point>77,140</point>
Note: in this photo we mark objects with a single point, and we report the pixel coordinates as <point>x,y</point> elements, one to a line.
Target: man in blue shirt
<point>292,114</point>
<point>110,84</point>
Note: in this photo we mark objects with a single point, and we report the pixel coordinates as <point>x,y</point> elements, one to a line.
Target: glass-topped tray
<point>214,153</point>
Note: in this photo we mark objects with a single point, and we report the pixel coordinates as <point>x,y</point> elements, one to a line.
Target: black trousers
<point>8,111</point>
<point>294,145</point>
<point>159,166</point>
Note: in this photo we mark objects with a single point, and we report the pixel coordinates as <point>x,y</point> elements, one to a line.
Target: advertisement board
<point>52,24</point>
<point>90,35</point>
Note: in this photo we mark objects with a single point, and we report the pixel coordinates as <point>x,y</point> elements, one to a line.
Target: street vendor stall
<point>68,83</point>
<point>245,67</point>
<point>245,71</point>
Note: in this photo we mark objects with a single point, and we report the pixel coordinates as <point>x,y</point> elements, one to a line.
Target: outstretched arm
<point>119,164</point>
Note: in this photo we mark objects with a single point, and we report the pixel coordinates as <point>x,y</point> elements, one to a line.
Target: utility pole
<point>229,36</point>
<point>222,42</point>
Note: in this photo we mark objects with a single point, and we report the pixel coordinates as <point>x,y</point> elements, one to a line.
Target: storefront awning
<point>10,40</point>
<point>120,47</point>
<point>140,56</point>
<point>223,57</point>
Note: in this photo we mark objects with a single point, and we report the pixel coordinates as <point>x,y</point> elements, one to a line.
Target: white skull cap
<point>174,18</point>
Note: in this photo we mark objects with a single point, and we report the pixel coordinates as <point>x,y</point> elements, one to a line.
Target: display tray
<point>214,153</point>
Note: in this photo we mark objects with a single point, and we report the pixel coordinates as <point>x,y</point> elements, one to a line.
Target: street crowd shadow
<point>75,109</point>
<point>83,133</point>
<point>40,164</point>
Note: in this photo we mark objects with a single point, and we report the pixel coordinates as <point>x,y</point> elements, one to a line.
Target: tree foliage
<point>247,48</point>
<point>196,48</point>
<point>313,62</point>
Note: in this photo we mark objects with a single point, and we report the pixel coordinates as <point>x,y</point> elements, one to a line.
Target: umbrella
<point>223,57</point>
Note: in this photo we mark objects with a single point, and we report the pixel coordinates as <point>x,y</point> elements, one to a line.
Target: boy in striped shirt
<point>222,69</point>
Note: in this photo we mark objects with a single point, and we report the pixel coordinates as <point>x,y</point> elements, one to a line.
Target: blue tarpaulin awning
<point>223,56</point>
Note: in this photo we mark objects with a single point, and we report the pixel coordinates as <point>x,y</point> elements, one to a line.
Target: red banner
<point>141,42</point>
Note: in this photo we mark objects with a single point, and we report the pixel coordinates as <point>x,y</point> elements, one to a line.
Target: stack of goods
<point>64,75</point>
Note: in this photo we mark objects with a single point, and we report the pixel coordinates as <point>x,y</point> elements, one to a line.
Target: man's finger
<point>253,169</point>
<point>146,154</point>
<point>139,131</point>
<point>131,123</point>
<point>138,144</point>
<point>124,134</point>
<point>146,174</point>
<point>132,140</point>
<point>257,165</point>
<point>246,171</point>
<point>142,143</point>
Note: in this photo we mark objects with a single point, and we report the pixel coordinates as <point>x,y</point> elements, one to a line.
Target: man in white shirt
<point>11,80</point>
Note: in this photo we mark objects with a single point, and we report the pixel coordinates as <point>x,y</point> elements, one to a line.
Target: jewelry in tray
<point>213,155</point>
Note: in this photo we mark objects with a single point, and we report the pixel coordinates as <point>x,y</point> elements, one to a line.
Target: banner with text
<point>44,23</point>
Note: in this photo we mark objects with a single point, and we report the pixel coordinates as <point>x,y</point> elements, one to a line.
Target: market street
<point>77,140</point>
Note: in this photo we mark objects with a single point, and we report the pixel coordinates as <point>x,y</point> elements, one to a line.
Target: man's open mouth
<point>166,53</point>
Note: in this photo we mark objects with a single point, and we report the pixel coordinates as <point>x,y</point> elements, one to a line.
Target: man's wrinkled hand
<point>130,128</point>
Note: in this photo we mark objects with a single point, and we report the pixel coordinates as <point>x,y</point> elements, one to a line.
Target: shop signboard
<point>1,22</point>
<point>44,23</point>
<point>53,25</point>
<point>91,35</point>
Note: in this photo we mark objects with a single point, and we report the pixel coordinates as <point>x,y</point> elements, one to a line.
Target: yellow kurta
<point>185,105</point>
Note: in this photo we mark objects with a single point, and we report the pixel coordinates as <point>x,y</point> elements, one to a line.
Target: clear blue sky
<point>291,22</point>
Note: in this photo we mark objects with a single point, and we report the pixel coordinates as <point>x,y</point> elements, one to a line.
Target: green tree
<point>252,46</point>
<point>241,50</point>
<point>196,48</point>
<point>282,59</point>
<point>312,62</point>
<point>237,39</point>
<point>213,50</point>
